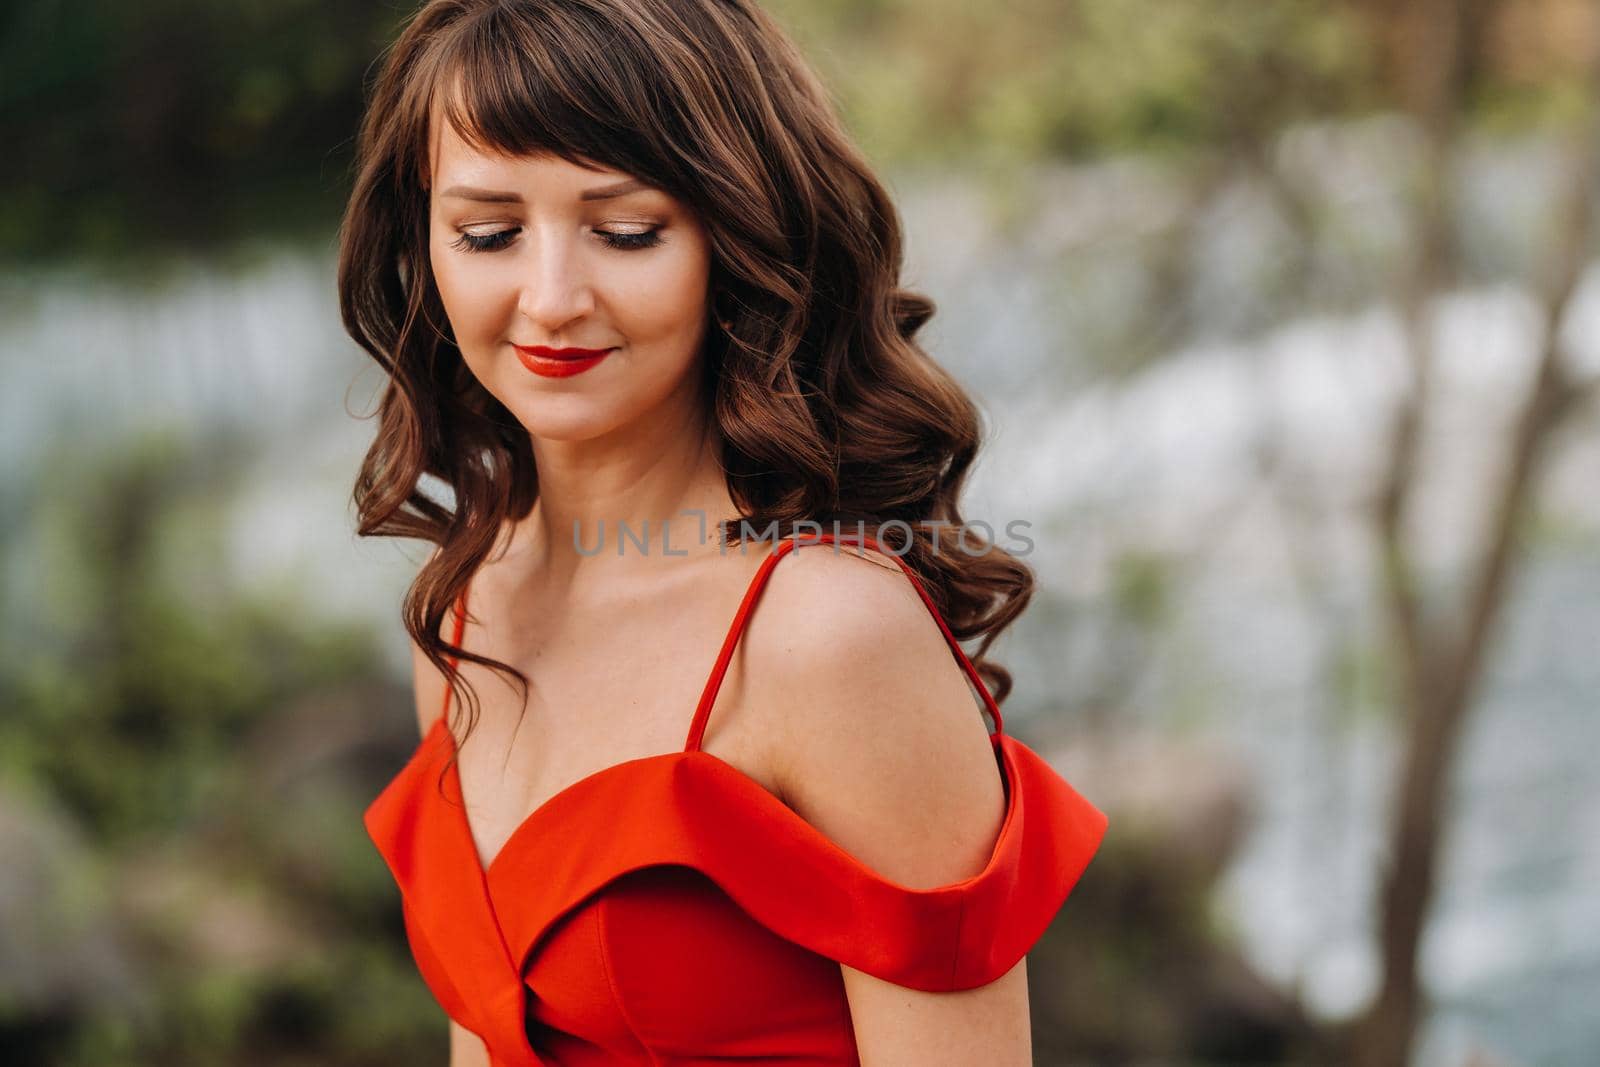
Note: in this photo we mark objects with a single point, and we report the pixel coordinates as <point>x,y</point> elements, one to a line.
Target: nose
<point>555,289</point>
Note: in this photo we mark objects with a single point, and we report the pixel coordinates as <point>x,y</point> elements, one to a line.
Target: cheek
<point>665,298</point>
<point>460,298</point>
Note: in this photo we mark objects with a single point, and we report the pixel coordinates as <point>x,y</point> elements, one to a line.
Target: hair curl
<point>827,409</point>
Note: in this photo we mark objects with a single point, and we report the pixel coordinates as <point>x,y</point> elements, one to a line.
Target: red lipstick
<point>559,362</point>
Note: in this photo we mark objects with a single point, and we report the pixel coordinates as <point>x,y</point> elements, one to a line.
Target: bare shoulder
<point>879,743</point>
<point>877,739</point>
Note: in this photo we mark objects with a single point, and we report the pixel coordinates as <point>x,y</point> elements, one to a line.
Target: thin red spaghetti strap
<point>460,608</point>
<point>709,696</point>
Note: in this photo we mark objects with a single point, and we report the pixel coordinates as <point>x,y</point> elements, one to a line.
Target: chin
<point>566,418</point>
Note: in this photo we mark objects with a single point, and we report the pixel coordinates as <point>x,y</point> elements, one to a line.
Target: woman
<point>637,297</point>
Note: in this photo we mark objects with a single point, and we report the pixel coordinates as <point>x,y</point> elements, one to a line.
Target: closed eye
<point>492,242</point>
<point>488,242</point>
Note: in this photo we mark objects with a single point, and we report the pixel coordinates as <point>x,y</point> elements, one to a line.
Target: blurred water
<point>1512,955</point>
<point>1166,460</point>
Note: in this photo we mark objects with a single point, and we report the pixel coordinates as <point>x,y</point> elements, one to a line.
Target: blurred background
<point>1285,323</point>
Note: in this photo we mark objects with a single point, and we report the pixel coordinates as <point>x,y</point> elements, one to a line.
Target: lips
<point>559,362</point>
<point>561,353</point>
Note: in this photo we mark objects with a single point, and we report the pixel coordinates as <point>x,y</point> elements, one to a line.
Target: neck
<point>625,506</point>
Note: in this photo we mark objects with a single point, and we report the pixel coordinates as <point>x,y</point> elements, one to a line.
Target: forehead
<point>455,160</point>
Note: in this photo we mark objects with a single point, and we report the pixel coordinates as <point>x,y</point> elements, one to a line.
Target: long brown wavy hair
<point>827,410</point>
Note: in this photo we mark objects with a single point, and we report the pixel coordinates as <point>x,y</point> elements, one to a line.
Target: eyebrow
<point>497,196</point>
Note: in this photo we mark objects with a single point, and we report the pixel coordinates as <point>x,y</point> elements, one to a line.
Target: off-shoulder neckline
<point>693,809</point>
<point>441,735</point>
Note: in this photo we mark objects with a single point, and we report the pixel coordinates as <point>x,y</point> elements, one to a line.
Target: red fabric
<point>671,910</point>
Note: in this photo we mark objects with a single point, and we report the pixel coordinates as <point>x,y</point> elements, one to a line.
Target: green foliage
<point>1561,102</point>
<point>1361,680</point>
<point>1142,587</point>
<point>945,81</point>
<point>184,728</point>
<point>178,125</point>
<point>190,126</point>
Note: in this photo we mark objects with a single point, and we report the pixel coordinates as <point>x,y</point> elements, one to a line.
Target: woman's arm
<point>466,1048</point>
<point>887,753</point>
<point>428,685</point>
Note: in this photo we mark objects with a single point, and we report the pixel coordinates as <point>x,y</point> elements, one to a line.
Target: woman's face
<point>536,251</point>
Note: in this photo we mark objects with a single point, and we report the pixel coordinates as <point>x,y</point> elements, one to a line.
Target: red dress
<point>671,910</point>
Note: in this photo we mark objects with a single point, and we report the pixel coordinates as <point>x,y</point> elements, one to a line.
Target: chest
<point>663,961</point>
<point>605,686</point>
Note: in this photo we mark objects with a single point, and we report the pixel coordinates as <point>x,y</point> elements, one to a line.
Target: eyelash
<point>624,242</point>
